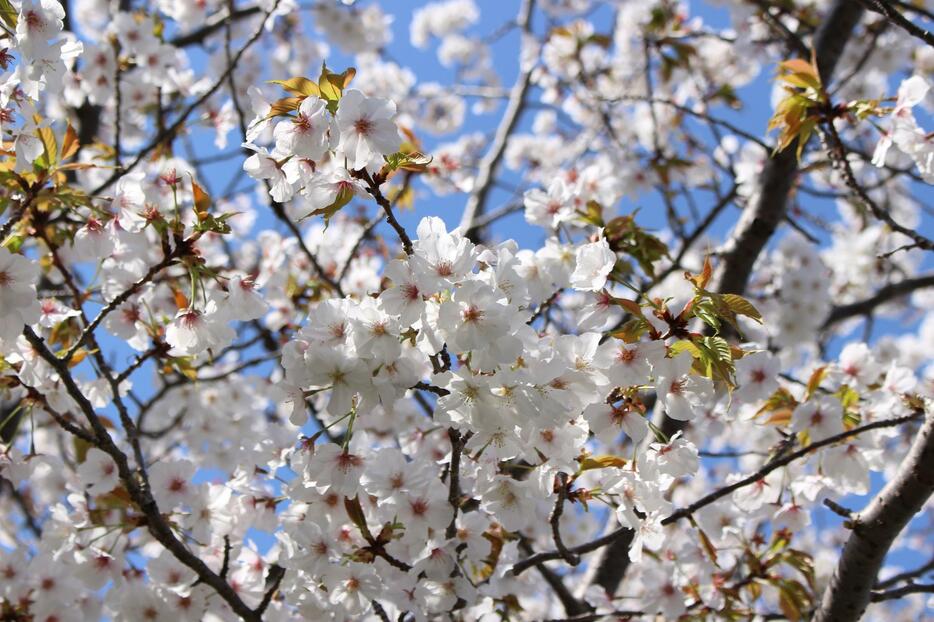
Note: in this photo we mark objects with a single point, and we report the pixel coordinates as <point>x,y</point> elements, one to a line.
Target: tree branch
<point>875,529</point>
<point>776,463</point>
<point>138,490</point>
<point>169,132</point>
<point>213,25</point>
<point>476,203</point>
<point>757,224</point>
<point>882,7</point>
<point>884,294</point>
<point>837,152</point>
<point>914,588</point>
<point>908,575</point>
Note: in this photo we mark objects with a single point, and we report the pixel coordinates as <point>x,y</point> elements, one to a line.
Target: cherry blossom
<point>366,128</point>
<point>593,262</point>
<point>529,322</point>
<point>18,304</point>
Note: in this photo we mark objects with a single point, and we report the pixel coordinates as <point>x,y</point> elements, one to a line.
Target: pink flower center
<point>347,461</point>
<point>363,126</point>
<point>419,507</point>
<point>626,356</point>
<point>618,415</point>
<point>410,291</point>
<point>472,314</point>
<point>302,124</point>
<point>34,21</point>
<point>190,319</point>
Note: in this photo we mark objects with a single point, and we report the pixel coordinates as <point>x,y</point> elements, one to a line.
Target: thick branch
<point>763,215</point>
<point>755,228</point>
<point>875,529</point>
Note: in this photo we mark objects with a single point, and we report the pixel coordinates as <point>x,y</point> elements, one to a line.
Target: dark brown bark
<point>749,237</point>
<point>875,528</point>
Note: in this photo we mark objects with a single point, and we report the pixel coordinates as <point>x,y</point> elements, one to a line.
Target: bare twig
<point>908,575</point>
<point>555,520</point>
<point>139,491</point>
<point>914,588</point>
<point>476,203</point>
<point>882,7</point>
<point>838,155</point>
<point>718,494</point>
<point>169,132</point>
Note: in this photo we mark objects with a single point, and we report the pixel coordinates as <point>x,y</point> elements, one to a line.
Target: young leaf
<point>741,306</point>
<point>70,143</point>
<point>343,198</point>
<point>201,199</point>
<point>9,14</point>
<point>301,87</point>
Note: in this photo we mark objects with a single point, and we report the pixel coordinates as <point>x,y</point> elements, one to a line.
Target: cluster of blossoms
<point>905,133</point>
<point>350,413</point>
<point>359,135</point>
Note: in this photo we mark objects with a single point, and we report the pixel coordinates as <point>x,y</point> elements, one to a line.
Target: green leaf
<point>804,134</point>
<point>343,198</point>
<point>780,406</point>
<point>9,14</point>
<point>720,347</point>
<point>625,236</point>
<point>49,157</point>
<point>413,161</point>
<point>817,376</point>
<point>717,359</point>
<point>793,598</point>
<point>284,107</point>
<point>202,201</point>
<point>601,462</point>
<point>684,345</point>
<point>301,87</point>
<point>357,517</point>
<point>709,548</point>
<point>741,306</point>
<point>705,311</point>
<point>331,85</point>
<point>70,143</point>
<point>803,563</point>
<point>632,330</point>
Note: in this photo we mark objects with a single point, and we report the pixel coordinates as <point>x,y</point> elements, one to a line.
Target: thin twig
<point>476,203</point>
<point>689,510</point>
<point>180,121</point>
<point>555,520</point>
